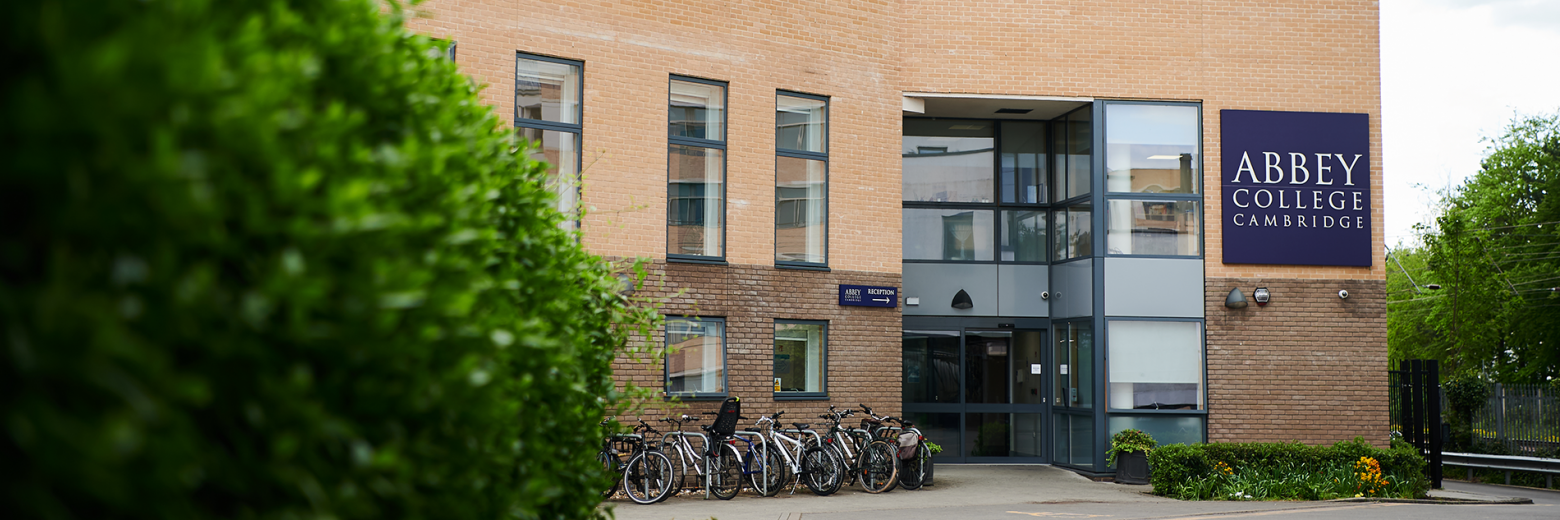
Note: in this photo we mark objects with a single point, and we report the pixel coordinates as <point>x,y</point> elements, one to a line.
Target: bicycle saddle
<point>801,426</point>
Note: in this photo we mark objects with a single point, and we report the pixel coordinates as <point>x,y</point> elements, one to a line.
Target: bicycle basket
<point>907,444</point>
<point>726,420</point>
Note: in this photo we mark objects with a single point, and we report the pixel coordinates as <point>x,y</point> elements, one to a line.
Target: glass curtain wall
<point>975,190</point>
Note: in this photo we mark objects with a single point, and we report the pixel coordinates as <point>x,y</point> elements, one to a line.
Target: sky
<point>1455,72</point>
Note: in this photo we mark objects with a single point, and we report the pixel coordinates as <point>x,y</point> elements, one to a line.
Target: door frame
<point>963,326</point>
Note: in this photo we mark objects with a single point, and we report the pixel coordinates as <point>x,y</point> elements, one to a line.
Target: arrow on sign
<point>884,300</point>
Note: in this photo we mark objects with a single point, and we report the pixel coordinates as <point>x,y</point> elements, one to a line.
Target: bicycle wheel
<point>682,470</point>
<point>725,472</point>
<point>877,471</point>
<point>822,472</point>
<point>769,471</point>
<point>912,471</point>
<point>609,468</point>
<point>648,478</point>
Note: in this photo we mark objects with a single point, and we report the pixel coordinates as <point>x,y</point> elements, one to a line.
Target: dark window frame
<point>1202,327</point>
<point>996,206</point>
<point>673,140</point>
<point>823,350</point>
<point>814,156</point>
<point>725,361</point>
<point>1198,197</point>
<point>578,129</point>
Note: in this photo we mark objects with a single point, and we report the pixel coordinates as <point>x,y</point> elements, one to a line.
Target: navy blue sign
<point>1296,188</point>
<point>869,296</point>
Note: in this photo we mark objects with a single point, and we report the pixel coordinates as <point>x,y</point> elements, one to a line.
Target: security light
<point>1261,296</point>
<point>962,300</point>
<point>1236,299</point>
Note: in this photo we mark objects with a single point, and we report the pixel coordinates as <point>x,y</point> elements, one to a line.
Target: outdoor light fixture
<point>1236,299</point>
<point>962,300</point>
<point>1261,295</point>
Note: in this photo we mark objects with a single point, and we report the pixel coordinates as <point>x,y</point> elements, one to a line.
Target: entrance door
<point>983,395</point>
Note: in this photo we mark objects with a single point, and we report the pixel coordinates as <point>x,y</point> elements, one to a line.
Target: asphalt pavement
<point>1015,492</point>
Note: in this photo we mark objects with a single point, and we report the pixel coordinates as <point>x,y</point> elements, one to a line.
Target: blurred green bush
<point>274,259</point>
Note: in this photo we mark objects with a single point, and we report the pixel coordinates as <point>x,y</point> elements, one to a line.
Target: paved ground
<point>1016,492</point>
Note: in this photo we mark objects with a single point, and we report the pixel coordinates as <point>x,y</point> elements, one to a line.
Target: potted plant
<point>1133,446</point>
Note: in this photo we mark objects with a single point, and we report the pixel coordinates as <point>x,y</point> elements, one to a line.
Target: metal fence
<point>1525,418</point>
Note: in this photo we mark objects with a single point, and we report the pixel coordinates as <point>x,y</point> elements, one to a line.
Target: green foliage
<point>1495,250</point>
<point>1466,394</point>
<point>1280,471</point>
<point>271,259</point>
<point>933,447</point>
<point>1129,441</point>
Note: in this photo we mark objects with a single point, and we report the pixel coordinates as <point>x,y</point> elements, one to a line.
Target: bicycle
<point>880,457</point>
<point>811,464</point>
<point>613,457</point>
<point>686,459</point>
<point>648,477</point>
<point>911,452</point>
<point>873,459</point>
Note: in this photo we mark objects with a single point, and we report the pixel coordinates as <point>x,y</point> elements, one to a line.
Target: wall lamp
<point>1236,299</point>
<point>962,300</point>
<point>1261,295</point>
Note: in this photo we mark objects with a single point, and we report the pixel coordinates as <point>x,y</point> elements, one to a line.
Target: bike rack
<point>704,442</point>
<point>763,446</point>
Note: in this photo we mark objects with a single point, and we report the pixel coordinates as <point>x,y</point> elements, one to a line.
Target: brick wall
<point>844,50</point>
<point>1308,366</point>
<point>863,342</point>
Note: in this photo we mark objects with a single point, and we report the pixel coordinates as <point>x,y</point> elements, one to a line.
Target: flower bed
<point>1287,471</point>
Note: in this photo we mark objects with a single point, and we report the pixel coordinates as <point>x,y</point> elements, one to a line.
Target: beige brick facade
<point>1305,368</point>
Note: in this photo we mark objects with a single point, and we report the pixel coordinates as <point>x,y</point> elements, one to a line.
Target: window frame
<point>578,129</point>
<point>823,350</point>
<point>673,140</point>
<point>725,361</point>
<point>996,207</point>
<point>800,154</point>
<point>1202,325</point>
<point>1197,197</point>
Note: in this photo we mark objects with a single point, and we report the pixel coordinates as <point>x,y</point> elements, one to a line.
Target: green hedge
<point>1189,471</point>
<point>275,259</point>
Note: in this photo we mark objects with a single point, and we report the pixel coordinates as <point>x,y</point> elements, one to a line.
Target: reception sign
<point>1296,188</point>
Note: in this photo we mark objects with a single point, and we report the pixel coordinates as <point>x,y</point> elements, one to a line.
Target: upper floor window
<point>696,170</point>
<point>1153,178</point>
<point>801,179</point>
<point>548,94</point>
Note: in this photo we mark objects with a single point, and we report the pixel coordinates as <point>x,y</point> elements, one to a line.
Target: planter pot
<point>1132,468</point>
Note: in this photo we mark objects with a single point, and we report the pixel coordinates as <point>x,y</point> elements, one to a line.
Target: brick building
<point>1063,225</point>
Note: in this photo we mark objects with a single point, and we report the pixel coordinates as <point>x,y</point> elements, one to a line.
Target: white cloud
<point>1454,72</point>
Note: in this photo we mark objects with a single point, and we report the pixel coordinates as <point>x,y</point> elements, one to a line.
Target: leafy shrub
<point>1129,440</point>
<point>1465,395</point>
<point>269,258</point>
<point>1290,471</point>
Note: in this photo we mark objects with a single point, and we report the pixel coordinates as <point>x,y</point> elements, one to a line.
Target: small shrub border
<point>1287,471</point>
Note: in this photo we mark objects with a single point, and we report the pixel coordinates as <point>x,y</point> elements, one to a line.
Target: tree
<point>274,259</point>
<point>1495,251</point>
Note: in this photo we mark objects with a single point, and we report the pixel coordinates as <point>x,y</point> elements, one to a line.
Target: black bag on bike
<point>726,419</point>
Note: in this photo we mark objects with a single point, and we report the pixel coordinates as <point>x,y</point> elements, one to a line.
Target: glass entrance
<point>983,395</point>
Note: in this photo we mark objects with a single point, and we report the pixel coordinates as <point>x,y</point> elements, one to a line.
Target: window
<point>975,190</point>
<point>1152,176</point>
<point>801,179</point>
<point>1156,365</point>
<point>1074,360</point>
<point>696,170</point>
<point>696,357</point>
<point>801,358</point>
<point>548,113</point>
<point>1153,227</point>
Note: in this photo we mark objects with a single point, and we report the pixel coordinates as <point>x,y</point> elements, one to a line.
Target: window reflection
<point>1150,227</point>
<point>1151,148</point>
<point>948,234</point>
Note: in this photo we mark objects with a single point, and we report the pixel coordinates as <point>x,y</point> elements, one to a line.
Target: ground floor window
<point>696,357</point>
<point>1156,365</point>
<point>801,352</point>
